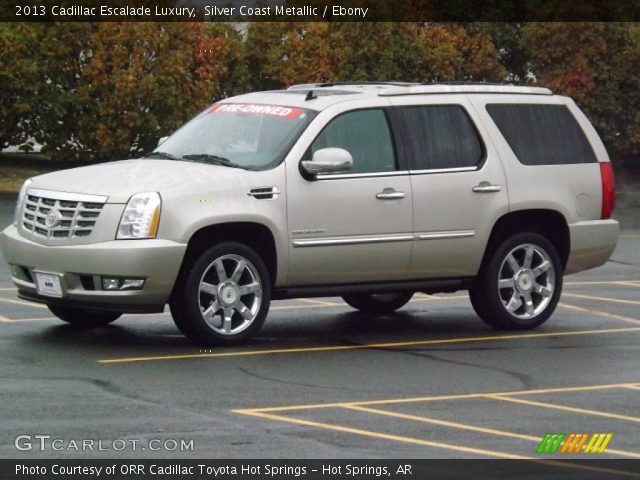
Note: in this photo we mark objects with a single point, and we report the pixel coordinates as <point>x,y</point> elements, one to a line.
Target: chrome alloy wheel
<point>230,294</point>
<point>526,281</point>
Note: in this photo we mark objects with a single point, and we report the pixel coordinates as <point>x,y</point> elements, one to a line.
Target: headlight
<point>20,201</point>
<point>141,217</point>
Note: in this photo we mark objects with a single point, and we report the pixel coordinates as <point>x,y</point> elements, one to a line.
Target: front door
<point>354,227</point>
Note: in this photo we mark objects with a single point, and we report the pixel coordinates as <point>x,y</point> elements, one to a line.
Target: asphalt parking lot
<point>321,381</point>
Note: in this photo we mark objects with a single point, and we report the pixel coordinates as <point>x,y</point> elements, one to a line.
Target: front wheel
<point>519,286</point>
<point>224,295</point>
<point>84,317</point>
<point>374,303</point>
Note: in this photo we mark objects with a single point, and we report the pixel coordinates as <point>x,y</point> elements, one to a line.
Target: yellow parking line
<point>630,284</point>
<point>280,351</point>
<point>603,299</point>
<point>444,423</point>
<point>321,303</point>
<point>8,289</point>
<point>34,319</point>
<point>592,311</point>
<point>6,320</point>
<point>565,408</point>
<point>633,387</point>
<point>383,436</point>
<point>460,396</point>
<point>20,302</point>
<point>465,426</point>
<point>599,282</point>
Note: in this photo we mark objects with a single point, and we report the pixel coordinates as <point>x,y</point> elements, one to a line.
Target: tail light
<point>608,190</point>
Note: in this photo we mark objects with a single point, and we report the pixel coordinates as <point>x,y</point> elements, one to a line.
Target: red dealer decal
<point>275,110</point>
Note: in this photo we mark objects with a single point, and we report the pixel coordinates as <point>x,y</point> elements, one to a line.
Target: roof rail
<point>440,88</point>
<point>354,84</point>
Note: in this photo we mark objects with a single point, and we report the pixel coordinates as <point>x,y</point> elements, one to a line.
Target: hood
<point>120,180</point>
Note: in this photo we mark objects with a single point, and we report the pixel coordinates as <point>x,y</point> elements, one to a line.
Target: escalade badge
<point>53,218</point>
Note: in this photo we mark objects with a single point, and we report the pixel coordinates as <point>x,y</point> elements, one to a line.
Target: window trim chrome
<point>340,176</point>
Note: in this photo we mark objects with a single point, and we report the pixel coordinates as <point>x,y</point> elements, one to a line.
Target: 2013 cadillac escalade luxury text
<point>368,191</point>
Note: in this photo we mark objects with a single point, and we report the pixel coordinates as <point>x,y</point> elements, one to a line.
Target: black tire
<point>188,301</point>
<point>507,307</point>
<point>84,317</point>
<point>378,303</point>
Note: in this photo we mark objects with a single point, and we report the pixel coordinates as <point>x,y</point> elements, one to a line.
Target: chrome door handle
<point>486,187</point>
<point>390,194</point>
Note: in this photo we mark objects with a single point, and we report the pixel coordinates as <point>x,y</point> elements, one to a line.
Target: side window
<point>439,136</point>
<point>366,135</point>
<point>542,134</point>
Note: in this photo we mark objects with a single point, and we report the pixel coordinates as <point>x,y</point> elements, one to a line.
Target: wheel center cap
<point>227,294</point>
<point>524,281</point>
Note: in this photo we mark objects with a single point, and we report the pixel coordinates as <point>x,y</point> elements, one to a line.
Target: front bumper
<point>157,261</point>
<point>592,243</point>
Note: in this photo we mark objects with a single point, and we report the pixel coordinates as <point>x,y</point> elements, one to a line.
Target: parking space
<point>322,381</point>
<point>479,415</point>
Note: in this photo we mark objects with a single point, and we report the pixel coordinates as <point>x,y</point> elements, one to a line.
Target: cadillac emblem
<point>53,218</point>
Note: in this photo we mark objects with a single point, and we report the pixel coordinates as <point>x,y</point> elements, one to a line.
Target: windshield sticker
<point>275,110</point>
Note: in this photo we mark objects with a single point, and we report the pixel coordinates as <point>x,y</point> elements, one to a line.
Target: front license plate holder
<point>48,284</point>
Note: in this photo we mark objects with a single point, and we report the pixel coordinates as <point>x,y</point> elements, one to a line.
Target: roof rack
<point>353,84</point>
<point>408,88</point>
<point>464,87</point>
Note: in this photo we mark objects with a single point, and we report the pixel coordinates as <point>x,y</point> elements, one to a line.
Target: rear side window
<point>542,134</point>
<point>366,135</point>
<point>438,137</point>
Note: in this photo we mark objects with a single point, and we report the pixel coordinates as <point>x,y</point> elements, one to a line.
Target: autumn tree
<point>453,53</point>
<point>144,80</point>
<point>19,77</point>
<point>597,64</point>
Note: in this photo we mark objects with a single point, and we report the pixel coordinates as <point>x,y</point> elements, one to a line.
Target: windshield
<point>250,136</point>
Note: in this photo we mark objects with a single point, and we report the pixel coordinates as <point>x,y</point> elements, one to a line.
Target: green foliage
<point>109,90</point>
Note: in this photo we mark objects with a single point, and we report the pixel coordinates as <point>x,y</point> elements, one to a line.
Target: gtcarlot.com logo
<point>574,443</point>
<point>44,442</point>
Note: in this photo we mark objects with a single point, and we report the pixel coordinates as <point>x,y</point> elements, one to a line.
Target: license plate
<point>48,285</point>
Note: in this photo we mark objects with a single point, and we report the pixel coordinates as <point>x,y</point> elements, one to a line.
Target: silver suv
<point>367,191</point>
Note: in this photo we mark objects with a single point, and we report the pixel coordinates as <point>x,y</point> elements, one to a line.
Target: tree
<point>143,81</point>
<point>19,74</point>
<point>452,53</point>
<point>597,64</point>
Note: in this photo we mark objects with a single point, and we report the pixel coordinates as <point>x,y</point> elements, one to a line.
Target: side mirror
<point>162,139</point>
<point>328,160</point>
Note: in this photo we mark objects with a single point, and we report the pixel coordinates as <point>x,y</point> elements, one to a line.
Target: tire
<point>208,304</point>
<point>378,303</point>
<point>84,317</point>
<point>520,283</point>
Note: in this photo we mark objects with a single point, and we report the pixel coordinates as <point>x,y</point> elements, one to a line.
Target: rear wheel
<point>223,297</point>
<point>378,302</point>
<point>519,286</point>
<point>84,317</point>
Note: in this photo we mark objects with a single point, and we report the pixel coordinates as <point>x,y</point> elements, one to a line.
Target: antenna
<point>310,96</point>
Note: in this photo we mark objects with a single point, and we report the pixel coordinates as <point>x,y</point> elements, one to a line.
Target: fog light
<point>132,284</point>
<point>16,272</point>
<point>110,283</point>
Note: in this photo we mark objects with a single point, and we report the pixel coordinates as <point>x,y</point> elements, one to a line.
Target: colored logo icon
<point>574,443</point>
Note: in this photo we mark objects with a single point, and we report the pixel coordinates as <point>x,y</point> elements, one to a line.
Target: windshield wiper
<point>166,155</point>
<point>213,159</point>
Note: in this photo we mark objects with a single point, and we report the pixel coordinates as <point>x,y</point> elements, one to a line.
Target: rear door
<point>458,184</point>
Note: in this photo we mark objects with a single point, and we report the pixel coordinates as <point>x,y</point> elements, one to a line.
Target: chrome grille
<point>75,219</point>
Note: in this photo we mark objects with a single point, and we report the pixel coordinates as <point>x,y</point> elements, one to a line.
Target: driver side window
<point>365,135</point>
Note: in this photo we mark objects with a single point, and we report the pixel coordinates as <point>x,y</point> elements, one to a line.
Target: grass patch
<point>16,167</point>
